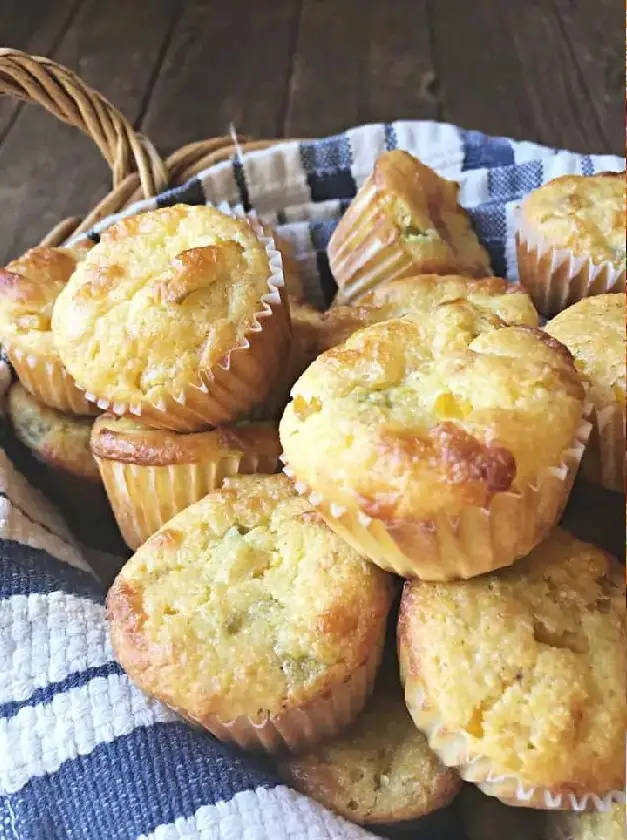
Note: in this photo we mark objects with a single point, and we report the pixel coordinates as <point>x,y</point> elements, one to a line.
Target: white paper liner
<point>453,748</point>
<point>145,497</point>
<point>297,729</point>
<point>476,541</point>
<point>363,250</point>
<point>604,460</point>
<point>554,277</point>
<point>49,382</point>
<point>240,380</point>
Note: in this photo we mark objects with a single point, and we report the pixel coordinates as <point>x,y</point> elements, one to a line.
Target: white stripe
<point>38,739</point>
<point>262,814</point>
<point>45,638</point>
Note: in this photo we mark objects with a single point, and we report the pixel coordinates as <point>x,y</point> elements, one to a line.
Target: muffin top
<point>245,603</point>
<point>123,439</point>
<point>599,825</point>
<point>60,440</point>
<point>424,292</point>
<point>485,818</point>
<point>583,213</point>
<point>593,329</point>
<point>424,210</point>
<point>380,770</point>
<point>164,295</point>
<point>419,295</point>
<point>410,417</point>
<point>29,287</point>
<point>528,662</point>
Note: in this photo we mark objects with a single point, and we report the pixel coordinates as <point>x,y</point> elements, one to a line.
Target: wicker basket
<point>137,168</point>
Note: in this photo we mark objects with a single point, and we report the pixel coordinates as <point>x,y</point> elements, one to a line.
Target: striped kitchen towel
<point>85,755</point>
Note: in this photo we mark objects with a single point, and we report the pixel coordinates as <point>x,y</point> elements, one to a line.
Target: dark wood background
<point>181,70</point>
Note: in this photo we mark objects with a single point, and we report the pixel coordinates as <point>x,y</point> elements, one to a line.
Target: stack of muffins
<point>434,434</point>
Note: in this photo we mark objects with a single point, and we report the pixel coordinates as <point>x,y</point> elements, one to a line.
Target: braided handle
<point>39,80</point>
<point>137,169</point>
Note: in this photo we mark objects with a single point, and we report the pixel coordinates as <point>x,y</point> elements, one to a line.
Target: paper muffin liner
<point>243,377</point>
<point>476,541</point>
<point>297,729</point>
<point>49,382</point>
<point>453,748</point>
<point>604,461</point>
<point>145,497</point>
<point>555,277</point>
<point>364,249</point>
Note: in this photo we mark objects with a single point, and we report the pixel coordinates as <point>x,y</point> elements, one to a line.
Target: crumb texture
<point>585,214</point>
<point>411,417</point>
<point>529,663</point>
<point>246,604</point>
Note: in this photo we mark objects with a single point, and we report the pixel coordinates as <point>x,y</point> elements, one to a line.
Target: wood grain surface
<point>545,70</point>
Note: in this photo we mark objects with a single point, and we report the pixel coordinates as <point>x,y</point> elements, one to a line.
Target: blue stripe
<point>327,165</point>
<point>242,187</point>
<point>132,785</point>
<point>511,183</point>
<point>191,192</point>
<point>482,151</point>
<point>587,166</point>
<point>46,694</point>
<point>391,140</point>
<point>27,570</point>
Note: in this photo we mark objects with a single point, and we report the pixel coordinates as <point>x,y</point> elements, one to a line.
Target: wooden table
<point>181,70</point>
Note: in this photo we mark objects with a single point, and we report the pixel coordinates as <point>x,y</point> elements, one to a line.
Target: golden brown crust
<point>584,214</point>
<point>245,604</point>
<point>417,296</point>
<point>59,440</point>
<point>380,770</point>
<point>423,292</point>
<point>122,439</point>
<point>165,296</point>
<point>29,287</point>
<point>548,699</point>
<point>413,417</point>
<point>426,216</point>
<point>594,331</point>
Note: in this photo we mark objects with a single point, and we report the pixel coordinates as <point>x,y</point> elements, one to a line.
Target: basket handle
<point>134,161</point>
<point>137,169</point>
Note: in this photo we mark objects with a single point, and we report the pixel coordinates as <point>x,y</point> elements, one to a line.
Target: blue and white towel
<point>85,755</point>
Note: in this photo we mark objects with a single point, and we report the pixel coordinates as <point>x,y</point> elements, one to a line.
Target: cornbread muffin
<point>571,239</point>
<point>404,220</point>
<point>440,447</point>
<point>251,617</point>
<point>424,292</point>
<point>29,286</point>
<point>518,677</point>
<point>594,332</point>
<point>152,474</point>
<point>61,442</point>
<point>485,818</point>
<point>177,315</point>
<point>606,825</point>
<point>419,295</point>
<point>380,770</point>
